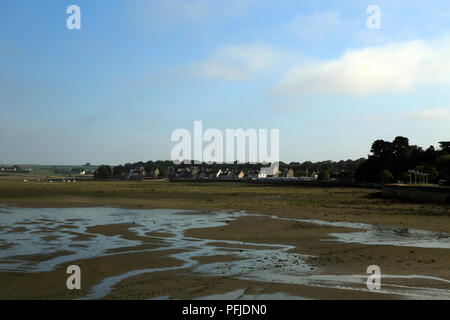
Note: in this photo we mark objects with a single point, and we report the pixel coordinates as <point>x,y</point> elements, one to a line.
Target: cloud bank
<point>392,68</point>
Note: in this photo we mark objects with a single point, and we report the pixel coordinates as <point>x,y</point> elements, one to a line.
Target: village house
<point>214,173</point>
<point>171,172</point>
<point>195,172</point>
<point>228,174</point>
<point>154,173</point>
<point>77,171</point>
<point>202,174</point>
<point>269,173</point>
<point>136,173</point>
<point>288,173</point>
<point>183,173</point>
<point>253,174</point>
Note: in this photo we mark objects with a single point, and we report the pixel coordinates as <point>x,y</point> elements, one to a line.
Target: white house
<point>268,172</point>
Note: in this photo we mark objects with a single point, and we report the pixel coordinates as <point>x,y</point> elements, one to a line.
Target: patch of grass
<point>236,196</point>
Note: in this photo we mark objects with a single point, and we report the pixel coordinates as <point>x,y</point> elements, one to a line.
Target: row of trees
<point>108,172</point>
<point>300,169</point>
<point>388,162</point>
<point>391,162</point>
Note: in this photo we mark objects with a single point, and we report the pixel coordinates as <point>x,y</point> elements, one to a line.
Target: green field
<point>45,172</point>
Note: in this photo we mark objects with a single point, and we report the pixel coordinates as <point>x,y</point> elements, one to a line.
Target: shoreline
<point>330,257</point>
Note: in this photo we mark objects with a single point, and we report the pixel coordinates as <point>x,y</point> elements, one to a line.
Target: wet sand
<point>52,285</point>
<point>234,239</point>
<point>333,257</point>
<point>314,253</point>
<point>173,285</point>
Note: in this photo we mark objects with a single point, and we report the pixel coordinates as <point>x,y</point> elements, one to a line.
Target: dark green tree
<point>385,176</point>
<point>103,172</point>
<point>323,175</point>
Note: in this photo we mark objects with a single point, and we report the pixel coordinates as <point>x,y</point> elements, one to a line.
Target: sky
<point>115,90</point>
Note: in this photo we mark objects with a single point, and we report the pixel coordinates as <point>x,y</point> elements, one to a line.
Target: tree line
<point>392,162</point>
<point>300,169</point>
<point>388,162</point>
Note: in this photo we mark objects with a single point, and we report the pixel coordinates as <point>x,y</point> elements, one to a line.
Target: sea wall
<point>417,193</point>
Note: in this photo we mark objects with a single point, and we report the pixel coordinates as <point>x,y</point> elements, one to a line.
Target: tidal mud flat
<point>193,254</point>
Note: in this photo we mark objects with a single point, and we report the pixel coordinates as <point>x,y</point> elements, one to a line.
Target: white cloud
<point>237,62</point>
<point>395,67</point>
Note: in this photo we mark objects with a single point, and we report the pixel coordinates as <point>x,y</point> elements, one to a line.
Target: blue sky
<point>114,91</point>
